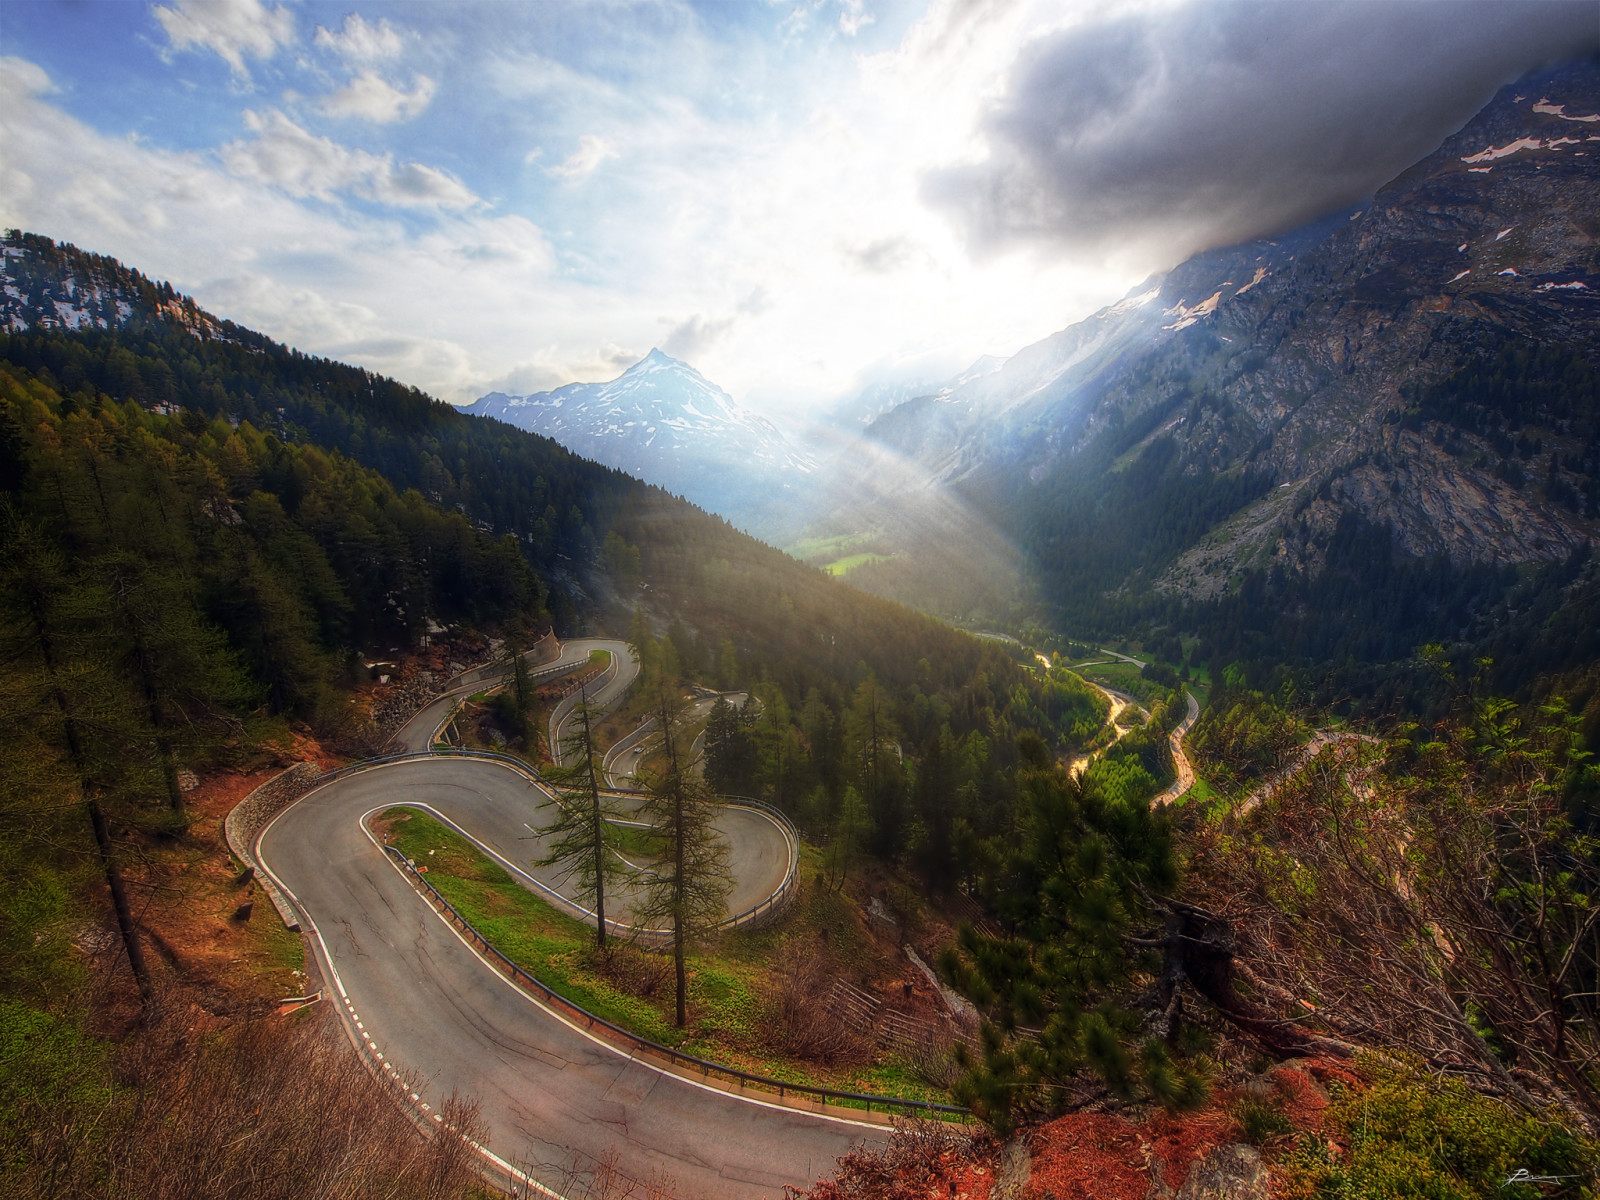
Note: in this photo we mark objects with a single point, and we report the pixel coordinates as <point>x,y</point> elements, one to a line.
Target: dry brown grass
<point>631,969</point>
<point>266,1109</point>
<point>799,1022</point>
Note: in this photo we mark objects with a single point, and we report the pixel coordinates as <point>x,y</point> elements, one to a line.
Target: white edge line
<point>511,1172</point>
<point>578,1029</point>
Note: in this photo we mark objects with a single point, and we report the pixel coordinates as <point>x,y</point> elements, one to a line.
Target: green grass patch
<point>634,842</point>
<point>1412,1136</point>
<point>545,942</point>
<point>280,948</point>
<point>1200,792</point>
<point>829,548</point>
<point>728,981</point>
<point>1117,674</point>
<point>843,566</point>
<point>599,658</point>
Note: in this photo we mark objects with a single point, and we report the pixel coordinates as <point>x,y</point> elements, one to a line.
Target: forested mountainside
<point>1329,448</point>
<point>302,513</point>
<point>557,507</point>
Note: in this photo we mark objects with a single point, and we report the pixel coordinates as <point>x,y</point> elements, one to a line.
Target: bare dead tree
<point>1438,907</point>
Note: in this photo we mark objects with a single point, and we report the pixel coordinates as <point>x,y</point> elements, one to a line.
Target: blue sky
<point>798,197</point>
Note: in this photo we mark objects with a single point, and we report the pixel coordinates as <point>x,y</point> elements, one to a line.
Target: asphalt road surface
<point>419,732</point>
<point>553,1098</point>
<point>604,693</point>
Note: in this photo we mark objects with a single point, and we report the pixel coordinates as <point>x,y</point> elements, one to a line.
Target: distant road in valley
<point>1180,760</point>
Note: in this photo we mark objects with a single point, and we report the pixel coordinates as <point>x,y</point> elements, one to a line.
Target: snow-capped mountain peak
<point>666,423</point>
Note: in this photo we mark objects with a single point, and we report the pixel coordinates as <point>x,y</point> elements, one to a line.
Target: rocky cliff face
<point>1321,367</point>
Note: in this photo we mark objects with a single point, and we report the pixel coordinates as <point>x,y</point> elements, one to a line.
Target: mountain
<point>44,286</point>
<point>664,422</point>
<point>1372,427</point>
<point>954,429</point>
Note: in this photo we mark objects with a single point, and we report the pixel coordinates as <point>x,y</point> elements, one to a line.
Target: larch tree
<point>582,827</point>
<point>850,832</point>
<point>70,710</point>
<point>688,889</point>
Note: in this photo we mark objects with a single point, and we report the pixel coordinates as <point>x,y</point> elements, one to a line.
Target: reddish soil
<point>1090,1156</point>
<point>1180,1142</point>
<point>1086,1156</point>
<point>1302,1098</point>
<point>187,896</point>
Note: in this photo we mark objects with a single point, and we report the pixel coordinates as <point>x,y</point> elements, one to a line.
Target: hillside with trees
<point>211,535</point>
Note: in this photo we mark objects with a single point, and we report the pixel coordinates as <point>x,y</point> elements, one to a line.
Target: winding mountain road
<point>604,693</point>
<point>552,1096</point>
<point>621,765</point>
<point>427,1008</point>
<point>420,731</point>
<point>1180,760</point>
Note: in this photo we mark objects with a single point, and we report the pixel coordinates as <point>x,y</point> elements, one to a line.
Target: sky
<point>799,197</point>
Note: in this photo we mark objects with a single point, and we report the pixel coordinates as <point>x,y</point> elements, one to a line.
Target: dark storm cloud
<point>1223,120</point>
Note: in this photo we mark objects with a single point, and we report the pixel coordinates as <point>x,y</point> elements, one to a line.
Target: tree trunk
<point>97,817</point>
<point>599,838</point>
<point>678,915</point>
<point>1199,947</point>
<point>119,899</point>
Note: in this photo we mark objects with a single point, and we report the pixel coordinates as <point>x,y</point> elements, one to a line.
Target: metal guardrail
<point>786,888</point>
<point>675,1057</point>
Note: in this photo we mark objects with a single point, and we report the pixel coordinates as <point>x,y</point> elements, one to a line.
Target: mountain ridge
<point>1295,361</point>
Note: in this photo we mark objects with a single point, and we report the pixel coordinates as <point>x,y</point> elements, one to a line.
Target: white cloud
<point>233,29</point>
<point>446,309</point>
<point>359,42</point>
<point>303,164</point>
<point>689,339</point>
<point>369,97</point>
<point>766,210</point>
<point>21,79</point>
<point>852,16</point>
<point>586,159</point>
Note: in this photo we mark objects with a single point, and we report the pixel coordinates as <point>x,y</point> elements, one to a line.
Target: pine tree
<point>689,887</point>
<point>69,707</point>
<point>1079,900</point>
<point>185,677</point>
<point>851,830</point>
<point>731,751</point>
<point>583,820</point>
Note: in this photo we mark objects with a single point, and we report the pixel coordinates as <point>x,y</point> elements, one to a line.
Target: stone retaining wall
<point>252,814</point>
